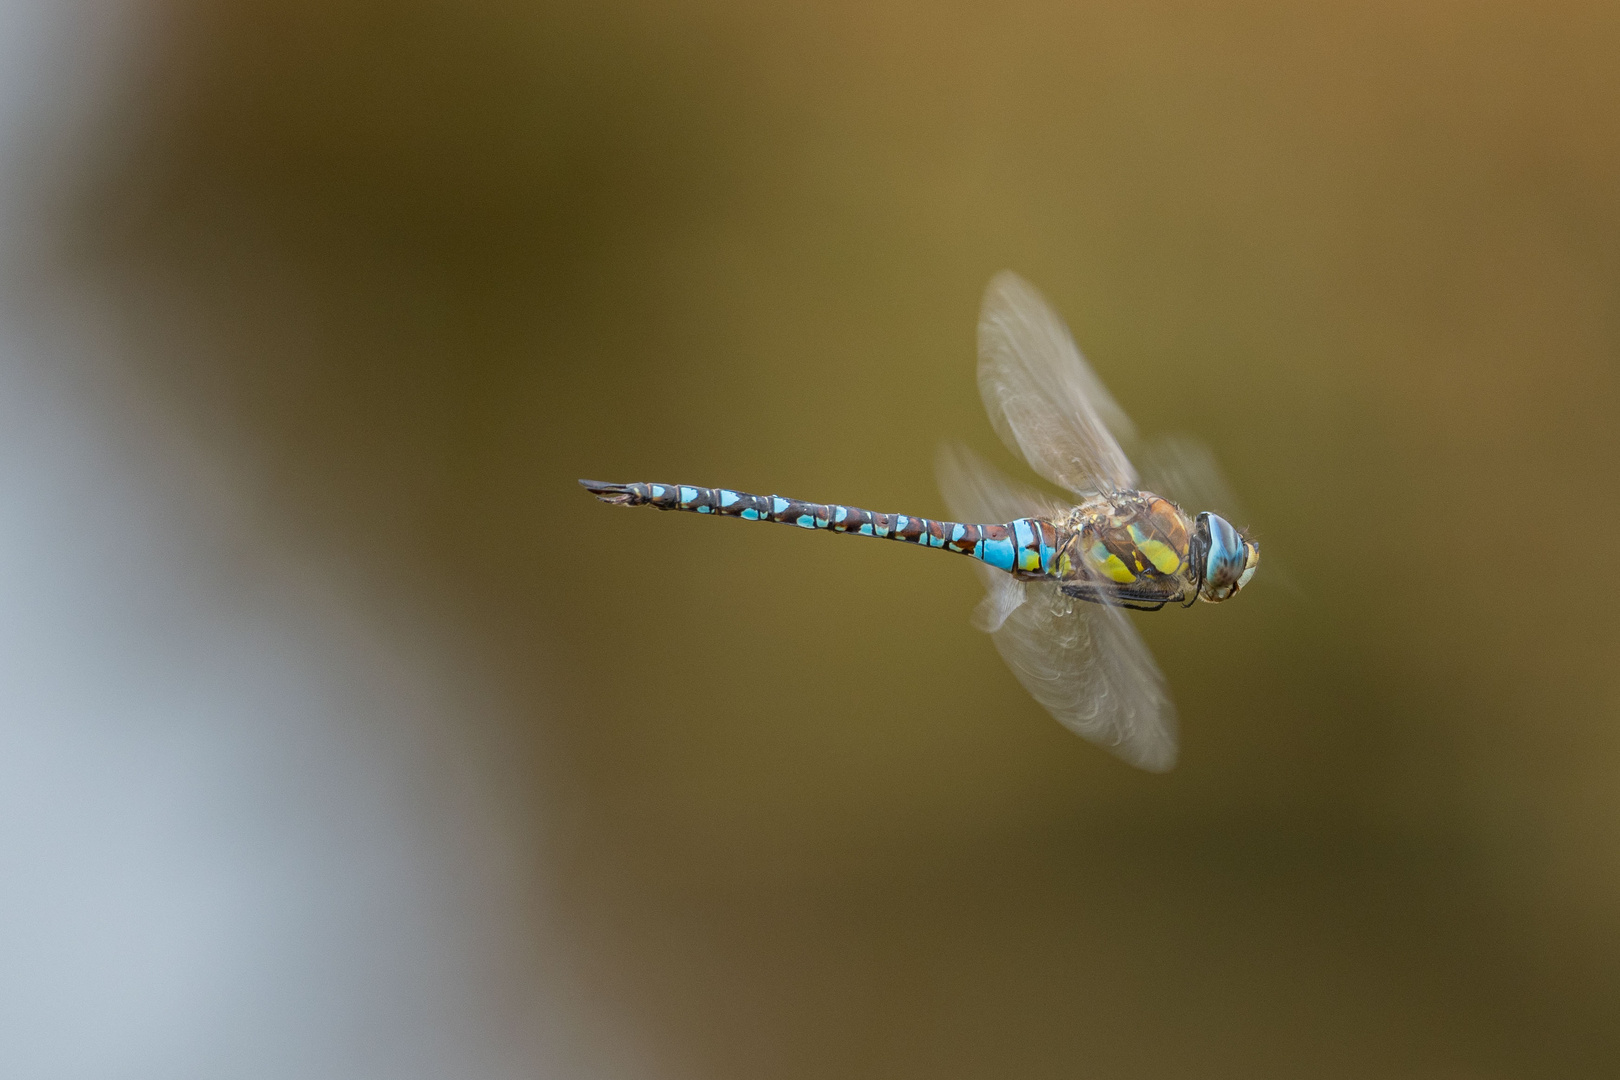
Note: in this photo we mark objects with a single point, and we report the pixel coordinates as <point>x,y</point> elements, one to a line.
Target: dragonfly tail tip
<point>618,494</point>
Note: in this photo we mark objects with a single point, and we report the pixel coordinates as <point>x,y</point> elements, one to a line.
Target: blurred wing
<point>979,493</point>
<point>1185,471</point>
<point>1044,400</point>
<point>976,492</point>
<point>1091,670</point>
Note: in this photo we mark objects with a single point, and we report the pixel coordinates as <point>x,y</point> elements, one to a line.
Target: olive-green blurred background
<point>423,264</point>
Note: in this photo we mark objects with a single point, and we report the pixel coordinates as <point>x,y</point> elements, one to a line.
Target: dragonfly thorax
<point>1129,544</point>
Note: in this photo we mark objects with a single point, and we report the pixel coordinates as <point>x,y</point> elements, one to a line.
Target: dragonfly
<point>1060,573</point>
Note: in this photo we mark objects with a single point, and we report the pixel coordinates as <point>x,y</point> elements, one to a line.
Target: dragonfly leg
<point>1135,602</point>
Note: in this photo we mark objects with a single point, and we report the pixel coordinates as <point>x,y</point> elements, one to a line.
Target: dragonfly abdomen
<point>1027,545</point>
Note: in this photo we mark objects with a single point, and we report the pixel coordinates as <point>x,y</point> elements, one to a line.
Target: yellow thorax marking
<point>1110,564</point>
<point>1164,558</point>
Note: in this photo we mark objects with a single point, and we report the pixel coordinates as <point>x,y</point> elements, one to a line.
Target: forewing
<point>1044,400</point>
<point>977,492</point>
<point>1185,470</point>
<point>1091,670</point>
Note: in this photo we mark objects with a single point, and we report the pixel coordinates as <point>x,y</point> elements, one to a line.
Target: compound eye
<point>1226,558</point>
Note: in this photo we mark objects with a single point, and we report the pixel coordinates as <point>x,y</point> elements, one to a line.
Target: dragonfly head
<point>1224,557</point>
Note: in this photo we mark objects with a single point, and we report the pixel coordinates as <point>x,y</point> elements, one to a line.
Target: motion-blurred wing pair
<point>1083,661</point>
